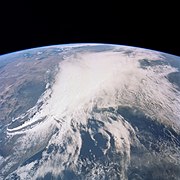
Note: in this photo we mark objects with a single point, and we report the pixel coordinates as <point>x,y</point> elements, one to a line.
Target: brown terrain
<point>23,78</point>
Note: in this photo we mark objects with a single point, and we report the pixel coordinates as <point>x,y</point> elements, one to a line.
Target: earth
<point>89,111</point>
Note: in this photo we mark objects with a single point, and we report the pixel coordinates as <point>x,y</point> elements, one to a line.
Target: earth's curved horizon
<point>85,44</point>
<point>89,111</point>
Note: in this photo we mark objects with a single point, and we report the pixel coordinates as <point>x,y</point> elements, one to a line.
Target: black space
<point>26,24</point>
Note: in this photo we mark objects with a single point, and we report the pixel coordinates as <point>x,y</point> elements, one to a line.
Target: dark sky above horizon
<point>24,26</point>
